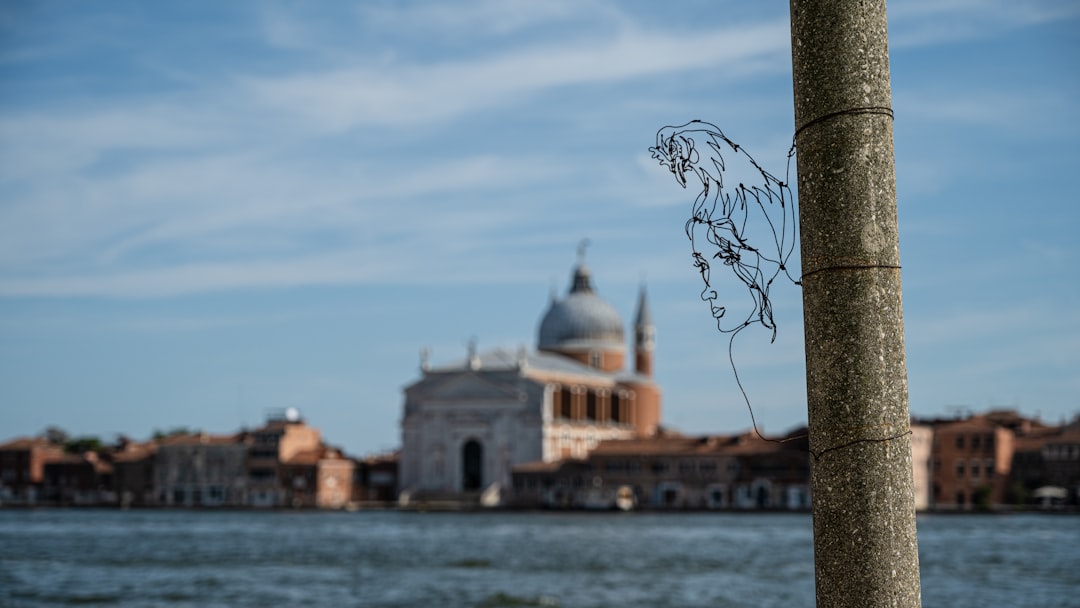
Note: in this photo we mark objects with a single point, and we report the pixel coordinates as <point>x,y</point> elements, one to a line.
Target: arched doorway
<point>472,458</point>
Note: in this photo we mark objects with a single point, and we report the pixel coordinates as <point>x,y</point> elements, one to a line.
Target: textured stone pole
<point>865,548</point>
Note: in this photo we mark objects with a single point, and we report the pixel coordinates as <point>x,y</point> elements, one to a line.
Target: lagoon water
<point>58,557</point>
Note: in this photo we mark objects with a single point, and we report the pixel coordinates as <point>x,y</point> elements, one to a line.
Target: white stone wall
<point>434,437</point>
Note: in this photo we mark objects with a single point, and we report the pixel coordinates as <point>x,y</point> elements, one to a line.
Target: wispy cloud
<point>406,94</point>
<point>212,182</point>
<point>485,17</point>
<point>249,207</point>
<point>932,22</point>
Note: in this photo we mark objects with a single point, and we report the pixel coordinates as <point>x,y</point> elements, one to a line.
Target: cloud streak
<point>409,94</point>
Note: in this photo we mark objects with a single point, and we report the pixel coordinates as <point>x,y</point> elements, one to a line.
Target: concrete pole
<point>865,547</point>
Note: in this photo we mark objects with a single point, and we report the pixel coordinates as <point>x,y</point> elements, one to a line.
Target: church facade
<point>468,424</point>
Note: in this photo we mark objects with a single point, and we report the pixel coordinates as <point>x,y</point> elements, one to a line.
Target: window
<point>975,441</point>
<point>590,405</point>
<point>262,474</point>
<point>594,359</point>
<point>975,470</point>
<point>959,469</point>
<point>565,403</point>
<point>686,467</point>
<point>659,467</point>
<point>959,442</point>
<point>616,408</point>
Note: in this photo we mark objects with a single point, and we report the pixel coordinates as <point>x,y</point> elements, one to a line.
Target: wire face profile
<point>743,212</point>
<point>746,218</point>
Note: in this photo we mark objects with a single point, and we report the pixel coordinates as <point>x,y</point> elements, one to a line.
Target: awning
<point>1051,492</point>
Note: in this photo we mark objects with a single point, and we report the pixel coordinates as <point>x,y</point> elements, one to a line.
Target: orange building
<point>971,463</point>
<point>321,477</point>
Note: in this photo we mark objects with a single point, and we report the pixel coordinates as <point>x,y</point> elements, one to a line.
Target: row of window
<point>1061,452</point>
<point>566,440</point>
<point>974,470</point>
<point>976,441</point>
<point>662,467</point>
<point>616,411</point>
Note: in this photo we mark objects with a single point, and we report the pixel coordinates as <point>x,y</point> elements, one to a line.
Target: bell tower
<point>644,337</point>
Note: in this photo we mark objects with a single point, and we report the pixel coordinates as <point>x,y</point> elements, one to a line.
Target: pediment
<point>465,387</point>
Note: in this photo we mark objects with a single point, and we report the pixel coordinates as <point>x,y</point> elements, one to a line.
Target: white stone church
<point>467,425</point>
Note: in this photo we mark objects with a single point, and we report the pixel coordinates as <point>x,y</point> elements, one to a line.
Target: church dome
<point>581,320</point>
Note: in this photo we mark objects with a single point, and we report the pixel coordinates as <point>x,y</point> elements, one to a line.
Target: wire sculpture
<point>748,216</point>
<point>735,217</point>
<point>743,212</point>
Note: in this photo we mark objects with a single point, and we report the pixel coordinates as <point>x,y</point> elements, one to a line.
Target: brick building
<point>671,471</point>
<point>972,460</point>
<point>321,477</point>
<point>22,468</point>
<point>284,436</point>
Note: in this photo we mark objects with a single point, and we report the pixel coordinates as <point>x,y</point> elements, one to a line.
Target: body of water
<point>57,557</point>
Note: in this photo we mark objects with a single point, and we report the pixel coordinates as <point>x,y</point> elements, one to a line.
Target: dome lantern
<point>582,325</point>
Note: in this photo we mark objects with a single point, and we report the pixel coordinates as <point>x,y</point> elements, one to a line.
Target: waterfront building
<point>281,464</point>
<point>1046,467</point>
<point>201,470</point>
<point>321,477</point>
<point>334,473</point>
<point>972,461</point>
<point>972,458</point>
<point>467,425</point>
<point>133,473</point>
<point>1061,466</point>
<point>79,479</point>
<point>376,478</point>
<point>671,471</point>
<point>284,436</point>
<point>22,468</point>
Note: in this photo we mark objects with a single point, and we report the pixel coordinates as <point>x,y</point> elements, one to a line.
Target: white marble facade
<point>466,426</point>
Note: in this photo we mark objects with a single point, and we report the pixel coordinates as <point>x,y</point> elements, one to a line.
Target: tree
<point>81,445</point>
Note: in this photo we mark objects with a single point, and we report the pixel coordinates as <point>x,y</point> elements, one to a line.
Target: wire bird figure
<point>749,220</point>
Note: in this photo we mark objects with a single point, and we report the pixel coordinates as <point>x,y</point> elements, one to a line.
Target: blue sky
<point>210,210</point>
